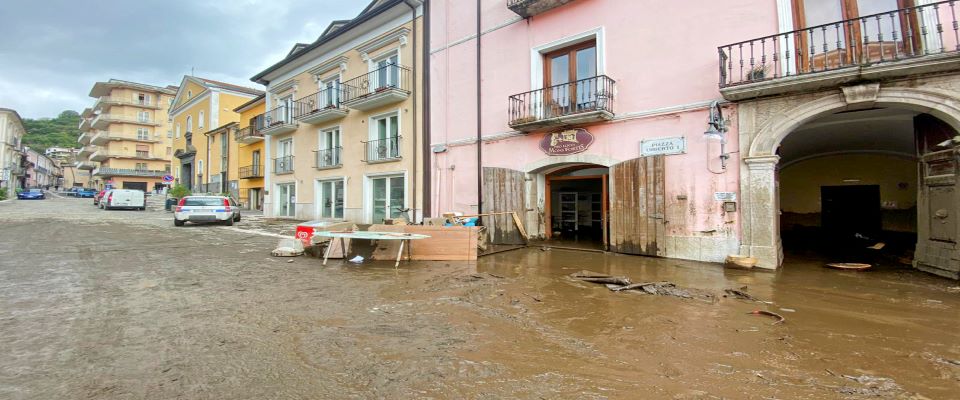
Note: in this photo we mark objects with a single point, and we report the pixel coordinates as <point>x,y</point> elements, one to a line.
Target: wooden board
<point>849,266</point>
<point>503,193</point>
<point>337,250</point>
<point>446,243</point>
<point>638,207</point>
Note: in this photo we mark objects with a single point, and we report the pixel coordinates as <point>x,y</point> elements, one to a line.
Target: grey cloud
<point>53,51</point>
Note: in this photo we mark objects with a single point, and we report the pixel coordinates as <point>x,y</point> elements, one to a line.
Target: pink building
<point>593,115</point>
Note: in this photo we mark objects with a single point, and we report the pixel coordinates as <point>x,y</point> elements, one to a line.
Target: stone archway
<point>764,123</point>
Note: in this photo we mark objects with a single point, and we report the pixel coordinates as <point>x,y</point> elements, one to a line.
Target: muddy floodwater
<point>122,305</point>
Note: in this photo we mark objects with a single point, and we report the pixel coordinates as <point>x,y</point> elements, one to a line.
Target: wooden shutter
<point>503,191</point>
<point>637,207</point>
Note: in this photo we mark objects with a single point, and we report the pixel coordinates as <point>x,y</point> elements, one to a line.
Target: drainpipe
<point>413,73</point>
<point>425,118</point>
<point>479,124</point>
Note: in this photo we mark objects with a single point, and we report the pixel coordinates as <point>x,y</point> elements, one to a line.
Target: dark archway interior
<point>848,184</point>
<point>577,205</point>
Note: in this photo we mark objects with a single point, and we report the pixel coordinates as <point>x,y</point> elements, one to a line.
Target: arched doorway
<point>575,206</point>
<point>768,123</point>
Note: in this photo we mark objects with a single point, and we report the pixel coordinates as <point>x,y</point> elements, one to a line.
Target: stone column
<point>761,209</point>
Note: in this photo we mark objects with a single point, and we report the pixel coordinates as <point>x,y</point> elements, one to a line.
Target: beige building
<point>126,136</point>
<point>343,132</point>
<point>12,161</point>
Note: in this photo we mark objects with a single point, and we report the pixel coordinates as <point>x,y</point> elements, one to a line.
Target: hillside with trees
<point>61,131</point>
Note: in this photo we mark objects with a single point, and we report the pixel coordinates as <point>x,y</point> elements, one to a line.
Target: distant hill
<point>61,131</point>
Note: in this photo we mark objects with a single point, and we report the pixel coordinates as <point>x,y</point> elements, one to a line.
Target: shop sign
<point>725,196</point>
<point>666,146</point>
<point>571,141</point>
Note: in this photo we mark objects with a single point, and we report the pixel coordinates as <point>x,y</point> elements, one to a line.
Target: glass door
<point>387,72</point>
<point>331,199</point>
<point>388,138</point>
<point>286,198</point>
<point>331,95</point>
<point>388,198</point>
<point>567,79</point>
<point>256,163</point>
<point>329,148</point>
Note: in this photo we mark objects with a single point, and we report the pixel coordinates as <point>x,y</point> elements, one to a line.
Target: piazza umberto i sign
<point>570,141</point>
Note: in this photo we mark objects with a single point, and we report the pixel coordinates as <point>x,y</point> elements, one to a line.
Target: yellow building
<point>250,157</point>
<point>343,125</point>
<point>125,135</point>
<point>202,118</point>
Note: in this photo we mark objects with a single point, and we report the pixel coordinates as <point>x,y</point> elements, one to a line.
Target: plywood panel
<point>637,206</point>
<point>446,243</point>
<point>503,191</point>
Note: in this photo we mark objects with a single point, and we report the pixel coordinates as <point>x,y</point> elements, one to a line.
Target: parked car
<point>206,209</point>
<point>31,194</point>
<point>124,199</point>
<point>86,193</point>
<point>98,196</point>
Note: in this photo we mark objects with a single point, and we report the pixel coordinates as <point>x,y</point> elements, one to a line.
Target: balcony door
<point>329,148</point>
<point>567,79</point>
<point>331,199</point>
<point>387,73</point>
<point>256,162</point>
<point>826,42</point>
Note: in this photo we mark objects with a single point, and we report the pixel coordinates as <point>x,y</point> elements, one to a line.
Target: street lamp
<point>717,129</point>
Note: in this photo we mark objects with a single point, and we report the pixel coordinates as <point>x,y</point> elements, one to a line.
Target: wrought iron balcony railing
<point>383,149</point>
<point>283,165</point>
<point>281,115</point>
<point>906,33</point>
<point>251,171</point>
<point>326,99</point>
<point>105,171</point>
<point>328,158</point>
<point>247,133</point>
<point>381,80</point>
<point>586,95</point>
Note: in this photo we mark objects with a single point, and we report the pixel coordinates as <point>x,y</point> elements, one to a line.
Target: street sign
<point>666,146</point>
<point>167,178</point>
<point>725,196</point>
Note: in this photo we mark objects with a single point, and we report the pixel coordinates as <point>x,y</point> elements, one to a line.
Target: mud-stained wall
<point>897,177</point>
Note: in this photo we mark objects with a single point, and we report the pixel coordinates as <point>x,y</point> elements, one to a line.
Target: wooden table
<point>404,238</point>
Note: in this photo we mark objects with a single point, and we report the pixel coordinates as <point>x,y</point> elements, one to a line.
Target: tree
<point>61,131</point>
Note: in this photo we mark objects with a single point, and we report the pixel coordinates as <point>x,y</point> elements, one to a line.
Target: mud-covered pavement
<point>122,305</point>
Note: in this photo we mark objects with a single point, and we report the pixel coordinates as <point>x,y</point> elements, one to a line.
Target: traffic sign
<point>167,178</point>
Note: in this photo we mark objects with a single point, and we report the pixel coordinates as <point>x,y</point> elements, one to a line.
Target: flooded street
<point>116,305</point>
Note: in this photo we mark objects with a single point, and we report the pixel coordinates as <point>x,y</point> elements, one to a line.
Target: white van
<point>124,198</point>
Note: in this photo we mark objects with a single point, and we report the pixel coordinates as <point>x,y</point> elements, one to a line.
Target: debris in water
<point>849,266</point>
<point>595,277</point>
<point>743,295</point>
<point>779,317</point>
<point>787,309</point>
<point>356,260</point>
<point>537,299</point>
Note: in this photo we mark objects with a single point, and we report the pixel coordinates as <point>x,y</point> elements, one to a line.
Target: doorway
<point>576,207</point>
<point>850,212</point>
<point>286,200</point>
<point>253,199</point>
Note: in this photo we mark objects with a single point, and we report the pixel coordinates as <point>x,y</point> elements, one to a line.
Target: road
<point>122,305</point>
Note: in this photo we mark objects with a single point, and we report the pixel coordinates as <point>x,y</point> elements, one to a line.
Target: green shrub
<point>3,193</point>
<point>179,192</point>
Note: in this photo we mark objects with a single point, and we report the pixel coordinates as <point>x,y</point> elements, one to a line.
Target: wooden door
<point>938,204</point>
<point>637,207</point>
<point>503,191</point>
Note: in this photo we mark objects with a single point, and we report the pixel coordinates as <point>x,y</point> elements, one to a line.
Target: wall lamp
<point>717,129</point>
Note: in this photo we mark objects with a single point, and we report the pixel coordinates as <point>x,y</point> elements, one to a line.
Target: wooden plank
<point>446,243</point>
<point>637,206</point>
<point>503,192</point>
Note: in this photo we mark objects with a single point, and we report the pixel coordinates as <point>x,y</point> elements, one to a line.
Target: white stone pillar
<point>761,228</point>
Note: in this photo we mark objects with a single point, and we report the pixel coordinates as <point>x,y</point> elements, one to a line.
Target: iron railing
<point>251,171</point>
<point>901,34</point>
<point>383,149</point>
<point>376,81</point>
<point>328,158</point>
<point>325,99</point>
<point>104,171</point>
<point>585,95</point>
<point>250,131</point>
<point>283,165</point>
<point>278,116</point>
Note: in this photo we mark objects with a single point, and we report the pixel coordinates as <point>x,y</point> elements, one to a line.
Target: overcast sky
<point>52,51</point>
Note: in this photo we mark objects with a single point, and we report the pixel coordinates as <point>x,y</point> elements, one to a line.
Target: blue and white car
<point>31,194</point>
<point>200,209</point>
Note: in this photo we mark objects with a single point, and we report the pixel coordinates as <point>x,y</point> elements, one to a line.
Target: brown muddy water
<point>125,306</point>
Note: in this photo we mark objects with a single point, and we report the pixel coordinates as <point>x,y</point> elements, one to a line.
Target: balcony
<point>386,85</point>
<point>320,107</point>
<point>248,134</point>
<point>893,44</point>
<point>251,171</point>
<point>86,164</point>
<point>86,124</point>
<point>85,137</point>
<point>278,121</point>
<point>383,150</point>
<point>576,103</point>
<point>328,158</point>
<point>104,101</point>
<point>104,154</point>
<point>86,151</point>
<point>149,173</point>
<point>283,165</point>
<point>102,121</point>
<point>529,8</point>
